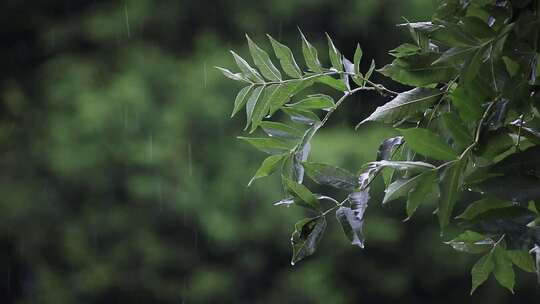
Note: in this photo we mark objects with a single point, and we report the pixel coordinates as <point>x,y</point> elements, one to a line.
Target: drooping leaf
<point>310,55</point>
<point>269,145</point>
<point>263,62</point>
<point>428,143</point>
<point>352,222</point>
<point>269,166</point>
<point>425,191</point>
<point>241,99</point>
<point>301,192</point>
<point>481,270</point>
<point>503,271</point>
<point>482,206</point>
<point>404,105</point>
<point>246,69</point>
<point>281,130</point>
<point>307,234</point>
<point>315,102</point>
<point>330,175</point>
<point>286,59</point>
<point>302,152</point>
<point>450,185</point>
<point>388,147</point>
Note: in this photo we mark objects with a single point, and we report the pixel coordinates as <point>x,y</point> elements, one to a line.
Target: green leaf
<point>503,271</point>
<point>317,101</point>
<point>450,185</point>
<point>418,70</point>
<point>427,143</point>
<point>471,68</point>
<point>352,222</point>
<point>481,270</point>
<point>483,205</point>
<point>301,192</point>
<point>246,69</point>
<point>332,82</point>
<point>269,145</point>
<point>302,116</point>
<point>286,59</point>
<point>231,75</point>
<point>471,242</point>
<point>399,188</point>
<point>468,103</point>
<point>357,59</point>
<point>405,50</point>
<point>425,191</point>
<point>263,62</point>
<point>455,55</point>
<point>330,175</point>
<point>369,72</point>
<point>457,130</point>
<point>310,55</point>
<point>522,259</point>
<point>262,105</point>
<point>269,166</point>
<point>334,54</point>
<point>280,130</point>
<point>307,234</point>
<point>404,105</point>
<point>251,103</point>
<point>241,99</point>
<point>283,94</point>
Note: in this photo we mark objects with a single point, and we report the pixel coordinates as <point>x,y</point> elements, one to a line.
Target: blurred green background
<point>121,180</point>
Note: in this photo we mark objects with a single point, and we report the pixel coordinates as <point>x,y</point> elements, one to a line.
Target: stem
<point>334,207</point>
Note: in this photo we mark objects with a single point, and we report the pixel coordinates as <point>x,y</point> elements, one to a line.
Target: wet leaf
<point>306,236</point>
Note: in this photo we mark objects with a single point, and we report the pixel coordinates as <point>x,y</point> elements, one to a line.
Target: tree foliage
<point>470,131</point>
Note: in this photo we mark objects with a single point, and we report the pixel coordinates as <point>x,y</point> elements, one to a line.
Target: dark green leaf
<point>425,191</point>
<point>522,259</point>
<point>262,105</point>
<point>269,145</point>
<point>352,222</point>
<point>481,270</point>
<point>400,188</point>
<point>307,234</point>
<point>332,82</point>
<point>301,192</point>
<point>286,59</point>
<point>503,271</point>
<point>418,70</point>
<point>284,93</point>
<point>468,103</point>
<point>457,130</point>
<point>331,175</point>
<point>428,143</point>
<point>482,206</point>
<point>263,62</point>
<point>455,55</point>
<point>404,105</point>
<point>369,72</point>
<point>450,185</point>
<point>269,165</point>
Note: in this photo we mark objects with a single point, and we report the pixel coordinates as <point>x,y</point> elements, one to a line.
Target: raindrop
<point>190,165</point>
<point>205,75</point>
<point>151,147</point>
<point>126,14</point>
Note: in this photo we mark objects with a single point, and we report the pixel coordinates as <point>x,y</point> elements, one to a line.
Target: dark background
<point>121,180</point>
